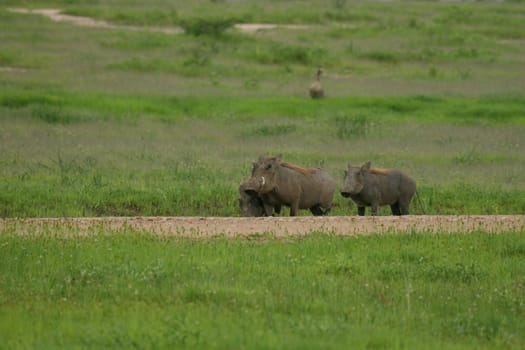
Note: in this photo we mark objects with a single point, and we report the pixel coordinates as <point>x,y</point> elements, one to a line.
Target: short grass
<point>127,289</point>
<point>97,121</point>
<point>76,155</point>
<point>70,154</point>
<point>366,48</point>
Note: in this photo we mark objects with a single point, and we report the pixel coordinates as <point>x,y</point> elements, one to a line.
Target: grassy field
<point>72,154</point>
<point>127,289</point>
<point>98,122</point>
<point>113,122</point>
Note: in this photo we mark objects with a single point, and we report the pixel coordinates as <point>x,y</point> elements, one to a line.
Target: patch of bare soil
<point>203,227</point>
<point>12,69</point>
<point>56,15</point>
<point>255,27</point>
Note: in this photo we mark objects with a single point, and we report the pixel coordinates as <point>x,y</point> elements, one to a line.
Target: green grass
<point>126,289</point>
<point>97,122</point>
<point>366,48</point>
<point>482,110</point>
<point>71,154</point>
<point>82,155</point>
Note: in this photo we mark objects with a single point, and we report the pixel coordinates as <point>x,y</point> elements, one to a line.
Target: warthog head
<point>263,175</point>
<point>353,182</point>
<point>249,201</point>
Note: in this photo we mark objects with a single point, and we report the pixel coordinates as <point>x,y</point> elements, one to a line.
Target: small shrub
<point>207,26</point>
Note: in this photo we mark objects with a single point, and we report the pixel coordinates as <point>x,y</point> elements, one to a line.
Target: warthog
<point>251,204</point>
<point>279,183</point>
<point>376,187</point>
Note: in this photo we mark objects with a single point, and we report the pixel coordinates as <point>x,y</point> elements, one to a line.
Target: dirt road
<point>56,15</point>
<point>202,227</point>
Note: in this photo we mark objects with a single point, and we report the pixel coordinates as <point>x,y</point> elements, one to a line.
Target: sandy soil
<point>57,16</point>
<point>202,227</point>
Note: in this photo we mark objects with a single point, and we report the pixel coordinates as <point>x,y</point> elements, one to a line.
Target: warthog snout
<point>254,185</point>
<point>345,194</point>
<point>250,192</point>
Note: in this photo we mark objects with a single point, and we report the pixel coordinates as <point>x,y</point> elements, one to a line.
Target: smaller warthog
<point>278,183</point>
<point>251,204</point>
<point>376,187</point>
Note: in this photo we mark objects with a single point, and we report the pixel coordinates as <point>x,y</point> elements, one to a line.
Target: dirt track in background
<point>202,227</point>
<point>56,15</point>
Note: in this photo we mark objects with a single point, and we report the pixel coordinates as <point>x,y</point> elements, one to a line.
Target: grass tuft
<point>214,27</point>
<point>352,126</point>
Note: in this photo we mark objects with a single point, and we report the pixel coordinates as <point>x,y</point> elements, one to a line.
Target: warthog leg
<point>403,208</point>
<point>294,208</point>
<point>395,209</point>
<point>317,210</point>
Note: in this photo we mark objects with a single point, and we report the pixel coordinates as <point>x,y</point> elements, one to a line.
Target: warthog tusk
<point>263,181</point>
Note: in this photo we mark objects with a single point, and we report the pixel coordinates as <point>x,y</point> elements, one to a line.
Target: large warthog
<point>251,203</point>
<point>278,183</point>
<point>376,187</point>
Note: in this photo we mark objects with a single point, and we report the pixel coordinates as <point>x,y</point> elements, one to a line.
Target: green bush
<point>207,26</point>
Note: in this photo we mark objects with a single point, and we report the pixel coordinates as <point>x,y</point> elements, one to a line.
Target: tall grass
<point>126,289</point>
<point>165,156</point>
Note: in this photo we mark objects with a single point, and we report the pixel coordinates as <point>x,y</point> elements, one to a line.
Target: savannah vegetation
<point>100,122</point>
<point>130,289</point>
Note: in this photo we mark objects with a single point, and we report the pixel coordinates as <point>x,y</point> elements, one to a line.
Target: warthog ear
<point>367,166</point>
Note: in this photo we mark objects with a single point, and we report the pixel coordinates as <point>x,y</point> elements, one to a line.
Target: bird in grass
<point>316,90</point>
